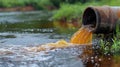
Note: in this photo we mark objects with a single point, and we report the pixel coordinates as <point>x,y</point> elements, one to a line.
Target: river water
<point>21,30</point>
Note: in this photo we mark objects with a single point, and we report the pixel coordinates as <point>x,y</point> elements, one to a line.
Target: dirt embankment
<point>26,8</point>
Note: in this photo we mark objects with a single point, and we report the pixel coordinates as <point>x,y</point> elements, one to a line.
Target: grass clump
<point>11,3</point>
<point>110,47</point>
<point>116,46</point>
<point>68,12</point>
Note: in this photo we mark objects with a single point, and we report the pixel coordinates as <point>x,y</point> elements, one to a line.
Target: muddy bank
<point>26,8</point>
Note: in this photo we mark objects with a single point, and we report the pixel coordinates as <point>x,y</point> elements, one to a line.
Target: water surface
<point>20,31</point>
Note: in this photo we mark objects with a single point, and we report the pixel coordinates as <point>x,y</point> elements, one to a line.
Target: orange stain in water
<point>82,36</point>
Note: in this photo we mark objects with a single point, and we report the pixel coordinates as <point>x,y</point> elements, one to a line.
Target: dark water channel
<point>21,30</point>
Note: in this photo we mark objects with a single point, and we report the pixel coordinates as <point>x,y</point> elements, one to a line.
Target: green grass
<point>111,2</point>
<point>72,11</point>
<point>38,4</point>
<point>12,3</point>
<point>45,4</point>
<point>116,46</point>
<point>68,12</point>
<point>110,47</point>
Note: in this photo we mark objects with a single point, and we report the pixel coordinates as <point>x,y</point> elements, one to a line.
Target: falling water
<point>82,36</point>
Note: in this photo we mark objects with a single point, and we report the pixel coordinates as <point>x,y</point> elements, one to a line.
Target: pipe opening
<point>89,17</point>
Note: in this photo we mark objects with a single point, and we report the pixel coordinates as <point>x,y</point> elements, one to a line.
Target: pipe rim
<point>97,18</point>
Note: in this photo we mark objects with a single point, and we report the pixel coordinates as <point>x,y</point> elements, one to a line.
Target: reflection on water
<point>25,21</point>
<point>16,17</point>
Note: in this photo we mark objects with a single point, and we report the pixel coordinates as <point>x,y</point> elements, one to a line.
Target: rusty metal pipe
<point>103,19</point>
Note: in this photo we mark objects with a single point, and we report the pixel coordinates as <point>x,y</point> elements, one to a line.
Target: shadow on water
<point>20,31</point>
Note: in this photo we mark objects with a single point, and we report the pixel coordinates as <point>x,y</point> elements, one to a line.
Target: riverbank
<point>25,8</point>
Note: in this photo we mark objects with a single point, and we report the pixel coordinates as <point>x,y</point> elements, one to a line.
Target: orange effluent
<point>82,36</point>
<point>49,46</point>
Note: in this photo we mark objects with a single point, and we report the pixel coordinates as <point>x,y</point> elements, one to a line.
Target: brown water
<point>95,58</point>
<point>82,36</point>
